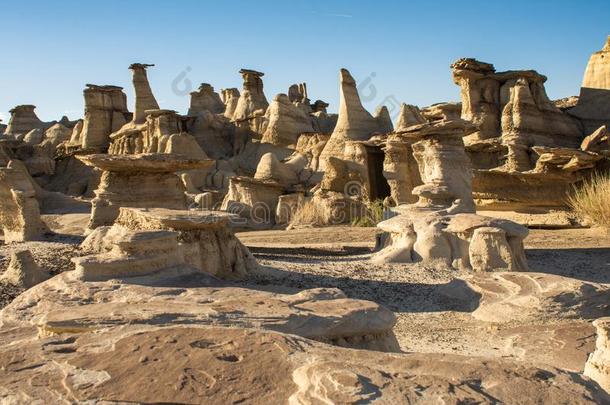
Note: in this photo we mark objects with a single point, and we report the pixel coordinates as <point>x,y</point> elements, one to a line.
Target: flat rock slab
<point>213,365</point>
<point>182,220</point>
<point>65,304</point>
<point>144,162</point>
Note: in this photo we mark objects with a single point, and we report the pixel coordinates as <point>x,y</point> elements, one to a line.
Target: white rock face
<point>598,364</point>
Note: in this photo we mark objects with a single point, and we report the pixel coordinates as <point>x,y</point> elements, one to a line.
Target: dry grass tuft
<point>309,213</point>
<point>372,216</point>
<point>591,200</point>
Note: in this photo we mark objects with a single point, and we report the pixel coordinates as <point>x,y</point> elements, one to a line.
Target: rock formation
<point>164,131</point>
<point>598,363</point>
<point>105,112</point>
<point>206,99</point>
<point>252,101</point>
<point>285,122</point>
<point>23,120</point>
<point>409,115</point>
<point>442,225</point>
<point>148,364</point>
<point>145,100</point>
<point>23,271</point>
<point>140,181</point>
<point>354,122</point>
<point>593,103</point>
<point>19,209</point>
<point>199,239</point>
<point>230,97</point>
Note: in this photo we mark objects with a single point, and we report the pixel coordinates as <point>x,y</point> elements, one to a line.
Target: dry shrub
<point>373,215</point>
<point>591,200</point>
<point>310,213</point>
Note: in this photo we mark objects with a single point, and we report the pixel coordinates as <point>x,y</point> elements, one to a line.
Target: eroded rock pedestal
<point>145,241</point>
<point>19,209</point>
<point>442,225</point>
<point>145,180</point>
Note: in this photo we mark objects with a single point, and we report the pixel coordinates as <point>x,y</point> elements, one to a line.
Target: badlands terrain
<point>254,251</point>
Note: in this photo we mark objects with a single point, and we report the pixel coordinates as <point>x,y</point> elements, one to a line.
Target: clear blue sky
<point>52,49</point>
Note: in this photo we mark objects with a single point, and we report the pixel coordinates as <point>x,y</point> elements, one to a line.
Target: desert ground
<point>520,312</point>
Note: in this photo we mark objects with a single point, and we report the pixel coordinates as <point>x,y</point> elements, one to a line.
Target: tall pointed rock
<point>145,100</point>
<point>409,115</point>
<point>354,122</point>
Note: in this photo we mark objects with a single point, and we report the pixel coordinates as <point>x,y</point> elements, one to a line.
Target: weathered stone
<point>285,122</point>
<point>19,209</point>
<point>23,120</point>
<point>145,100</point>
<point>593,107</point>
<point>206,99</point>
<point>598,363</point>
<point>23,271</point>
<point>252,100</point>
<point>140,181</point>
<point>354,122</point>
<point>409,115</point>
<point>442,225</point>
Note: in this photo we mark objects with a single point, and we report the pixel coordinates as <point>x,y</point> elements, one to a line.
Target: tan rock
<point>252,98</point>
<point>204,238</point>
<point>598,363</point>
<point>285,122</point>
<point>145,100</point>
<point>594,100</point>
<point>146,364</point>
<point>23,271</point>
<point>597,141</point>
<point>409,115</point>
<point>354,122</point>
<point>19,209</point>
<point>105,112</point>
<point>23,120</point>
<point>230,97</point>
<point>140,181</point>
<point>442,225</point>
<point>206,99</point>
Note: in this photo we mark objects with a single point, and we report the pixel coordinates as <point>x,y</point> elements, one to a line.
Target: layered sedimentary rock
<point>140,181</point>
<point>145,100</point>
<point>148,364</point>
<point>593,106</point>
<point>285,122</point>
<point>354,122</point>
<point>442,225</point>
<point>252,101</point>
<point>164,131</point>
<point>178,296</point>
<point>105,112</point>
<point>204,239</point>
<point>230,97</point>
<point>23,271</point>
<point>409,115</point>
<point>206,99</point>
<point>19,209</point>
<point>146,242</point>
<point>23,120</point>
<point>598,363</point>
